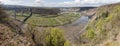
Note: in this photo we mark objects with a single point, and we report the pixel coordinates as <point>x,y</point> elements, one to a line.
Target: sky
<point>59,3</point>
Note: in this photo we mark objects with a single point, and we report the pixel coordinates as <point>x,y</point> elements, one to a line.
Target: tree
<point>67,43</point>
<point>3,16</point>
<point>28,16</point>
<point>55,38</point>
<point>25,21</point>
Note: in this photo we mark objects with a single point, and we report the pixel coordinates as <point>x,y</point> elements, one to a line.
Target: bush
<point>66,43</point>
<point>90,33</point>
<point>55,37</point>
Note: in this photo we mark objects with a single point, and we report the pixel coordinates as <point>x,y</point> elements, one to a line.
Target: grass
<point>104,27</point>
<point>49,20</point>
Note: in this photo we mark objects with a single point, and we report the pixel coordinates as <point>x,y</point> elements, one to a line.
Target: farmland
<point>48,20</point>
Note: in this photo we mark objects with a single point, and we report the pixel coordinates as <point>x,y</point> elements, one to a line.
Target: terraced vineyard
<point>43,21</point>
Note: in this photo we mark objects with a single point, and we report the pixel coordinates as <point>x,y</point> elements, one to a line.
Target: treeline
<point>44,11</point>
<point>35,10</point>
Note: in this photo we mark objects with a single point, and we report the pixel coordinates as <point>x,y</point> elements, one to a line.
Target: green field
<point>44,21</point>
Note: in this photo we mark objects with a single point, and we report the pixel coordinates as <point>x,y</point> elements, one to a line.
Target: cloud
<point>89,2</point>
<point>60,4</point>
<point>77,1</point>
<point>38,1</point>
<point>11,1</point>
<point>100,1</point>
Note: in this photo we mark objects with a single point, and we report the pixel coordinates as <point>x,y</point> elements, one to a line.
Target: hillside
<point>104,28</point>
<point>8,35</point>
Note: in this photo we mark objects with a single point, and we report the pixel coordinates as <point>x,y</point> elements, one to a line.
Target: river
<point>75,27</point>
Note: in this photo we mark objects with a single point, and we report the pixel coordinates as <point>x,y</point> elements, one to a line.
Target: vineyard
<point>48,21</point>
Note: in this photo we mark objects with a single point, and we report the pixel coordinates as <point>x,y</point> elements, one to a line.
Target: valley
<point>60,26</point>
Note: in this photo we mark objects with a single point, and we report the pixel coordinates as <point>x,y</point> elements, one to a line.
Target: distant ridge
<point>12,7</point>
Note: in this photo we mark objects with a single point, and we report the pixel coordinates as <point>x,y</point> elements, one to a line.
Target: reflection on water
<point>72,29</point>
<point>81,20</point>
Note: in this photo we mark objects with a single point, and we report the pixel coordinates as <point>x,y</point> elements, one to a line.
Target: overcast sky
<point>59,3</point>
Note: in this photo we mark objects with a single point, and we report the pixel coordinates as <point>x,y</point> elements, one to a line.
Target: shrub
<point>55,38</point>
<point>66,43</point>
<point>90,33</point>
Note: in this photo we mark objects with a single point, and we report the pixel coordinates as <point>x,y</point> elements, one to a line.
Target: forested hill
<point>104,28</point>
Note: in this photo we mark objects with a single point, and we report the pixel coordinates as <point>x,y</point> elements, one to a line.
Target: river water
<point>70,30</point>
<point>75,27</point>
<point>81,20</point>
